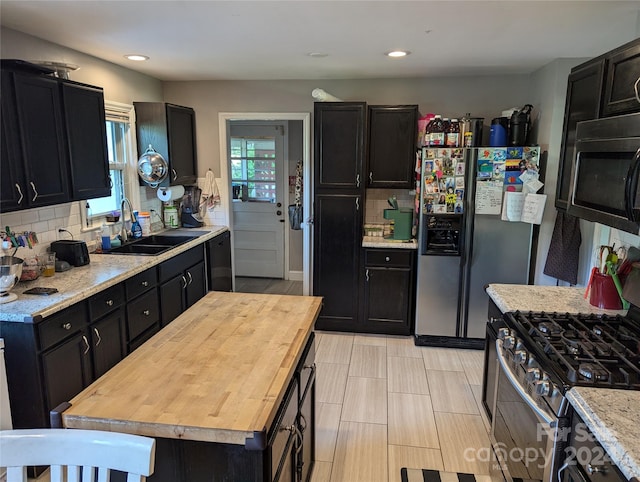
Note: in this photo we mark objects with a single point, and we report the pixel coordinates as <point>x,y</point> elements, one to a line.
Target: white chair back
<point>76,455</point>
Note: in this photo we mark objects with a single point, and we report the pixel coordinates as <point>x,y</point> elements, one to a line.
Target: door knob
<point>278,212</point>
<point>279,205</point>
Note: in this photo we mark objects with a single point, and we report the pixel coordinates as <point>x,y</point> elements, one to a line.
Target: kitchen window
<point>253,169</point>
<point>123,174</point>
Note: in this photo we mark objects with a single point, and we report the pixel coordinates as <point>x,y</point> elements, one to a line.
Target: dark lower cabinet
<point>107,337</point>
<point>181,287</point>
<point>66,370</point>
<point>388,291</point>
<point>219,271</point>
<point>284,452</point>
<point>336,259</point>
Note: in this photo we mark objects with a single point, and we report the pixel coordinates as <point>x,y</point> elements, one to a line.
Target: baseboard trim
<point>449,342</point>
<point>296,275</point>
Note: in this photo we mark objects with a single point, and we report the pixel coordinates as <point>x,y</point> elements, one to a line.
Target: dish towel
<point>563,255</point>
<point>210,197</point>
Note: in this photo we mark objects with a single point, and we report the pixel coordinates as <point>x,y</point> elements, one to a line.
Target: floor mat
<point>426,475</point>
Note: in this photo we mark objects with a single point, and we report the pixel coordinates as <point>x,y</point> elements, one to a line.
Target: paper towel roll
<point>166,194</point>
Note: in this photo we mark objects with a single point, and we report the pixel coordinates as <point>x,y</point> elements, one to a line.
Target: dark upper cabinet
<point>392,146</point>
<point>603,86</point>
<point>339,146</point>
<point>622,81</point>
<point>87,140</point>
<point>53,142</point>
<point>171,130</point>
<point>583,103</point>
<point>42,152</point>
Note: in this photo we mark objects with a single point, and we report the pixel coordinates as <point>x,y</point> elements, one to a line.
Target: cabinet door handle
<point>387,259</point>
<point>357,180</point>
<point>635,88</point>
<point>357,204</point>
<point>190,278</point>
<point>145,283</point>
<point>66,326</point>
<point>370,177</point>
<point>87,347</point>
<point>146,312</point>
<point>95,330</point>
<point>35,193</point>
<point>20,193</point>
<point>303,423</point>
<point>184,280</point>
<point>366,274</point>
<point>175,174</point>
<point>109,302</point>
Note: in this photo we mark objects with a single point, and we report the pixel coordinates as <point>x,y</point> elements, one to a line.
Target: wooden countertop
<point>217,373</point>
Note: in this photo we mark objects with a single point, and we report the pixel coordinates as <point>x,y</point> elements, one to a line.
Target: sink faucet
<point>123,233</point>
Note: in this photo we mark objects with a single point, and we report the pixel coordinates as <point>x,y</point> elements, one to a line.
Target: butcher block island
<point>227,389</point>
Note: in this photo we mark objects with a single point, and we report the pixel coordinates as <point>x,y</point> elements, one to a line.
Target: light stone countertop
<point>559,299</point>
<point>612,416</point>
<point>380,242</point>
<point>79,283</point>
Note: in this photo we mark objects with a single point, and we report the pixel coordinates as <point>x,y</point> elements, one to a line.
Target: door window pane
<point>253,169</point>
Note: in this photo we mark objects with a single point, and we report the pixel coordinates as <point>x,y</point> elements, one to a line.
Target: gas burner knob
<point>503,333</point>
<point>520,356</point>
<point>509,341</point>
<point>533,374</point>
<point>543,387</point>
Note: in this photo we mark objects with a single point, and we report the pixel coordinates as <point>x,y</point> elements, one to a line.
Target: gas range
<point>582,349</point>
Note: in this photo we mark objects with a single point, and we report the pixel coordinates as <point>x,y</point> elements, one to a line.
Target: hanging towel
<point>563,255</point>
<point>210,197</point>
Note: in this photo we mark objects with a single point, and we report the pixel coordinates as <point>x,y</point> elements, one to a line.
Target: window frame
<point>244,160</point>
<point>116,111</point>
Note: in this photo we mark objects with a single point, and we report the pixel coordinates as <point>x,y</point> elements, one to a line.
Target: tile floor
<point>384,404</point>
<point>268,286</point>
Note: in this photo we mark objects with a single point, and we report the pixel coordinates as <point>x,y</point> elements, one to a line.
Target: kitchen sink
<point>150,245</point>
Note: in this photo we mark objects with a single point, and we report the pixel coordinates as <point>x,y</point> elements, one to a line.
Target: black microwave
<point>605,169</point>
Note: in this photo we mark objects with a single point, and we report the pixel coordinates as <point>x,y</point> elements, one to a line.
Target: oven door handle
<point>516,385</point>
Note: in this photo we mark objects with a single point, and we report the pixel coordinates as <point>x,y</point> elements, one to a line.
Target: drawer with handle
<point>142,313</point>
<point>106,301</point>
<point>62,325</point>
<point>388,257</point>
<point>141,282</point>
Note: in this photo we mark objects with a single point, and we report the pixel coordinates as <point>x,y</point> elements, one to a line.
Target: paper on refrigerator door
<point>488,198</point>
<point>523,207</point>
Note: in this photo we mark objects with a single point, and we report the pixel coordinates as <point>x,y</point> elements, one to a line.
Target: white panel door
<point>257,179</point>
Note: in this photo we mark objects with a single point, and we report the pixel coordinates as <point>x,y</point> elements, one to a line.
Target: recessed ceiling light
<point>398,53</point>
<point>317,54</point>
<point>136,57</point>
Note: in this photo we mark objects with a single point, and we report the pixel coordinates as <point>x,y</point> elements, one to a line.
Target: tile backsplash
<point>46,221</point>
<point>376,203</point>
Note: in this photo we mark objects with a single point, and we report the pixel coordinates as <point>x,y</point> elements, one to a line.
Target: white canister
<point>144,219</point>
<point>170,217</point>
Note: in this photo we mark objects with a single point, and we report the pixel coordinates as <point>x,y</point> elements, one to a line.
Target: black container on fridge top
<point>471,131</point>
<point>519,126</point>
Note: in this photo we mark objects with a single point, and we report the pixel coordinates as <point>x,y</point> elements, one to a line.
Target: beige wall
<point>452,97</point>
<point>119,84</point>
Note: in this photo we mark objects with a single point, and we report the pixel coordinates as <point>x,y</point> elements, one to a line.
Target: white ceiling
<point>205,40</point>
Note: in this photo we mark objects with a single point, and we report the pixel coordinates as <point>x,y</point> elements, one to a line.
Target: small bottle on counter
<point>106,238</point>
<point>144,220</point>
<point>136,230</point>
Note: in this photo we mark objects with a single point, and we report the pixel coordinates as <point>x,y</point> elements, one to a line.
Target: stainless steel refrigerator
<point>461,250</point>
